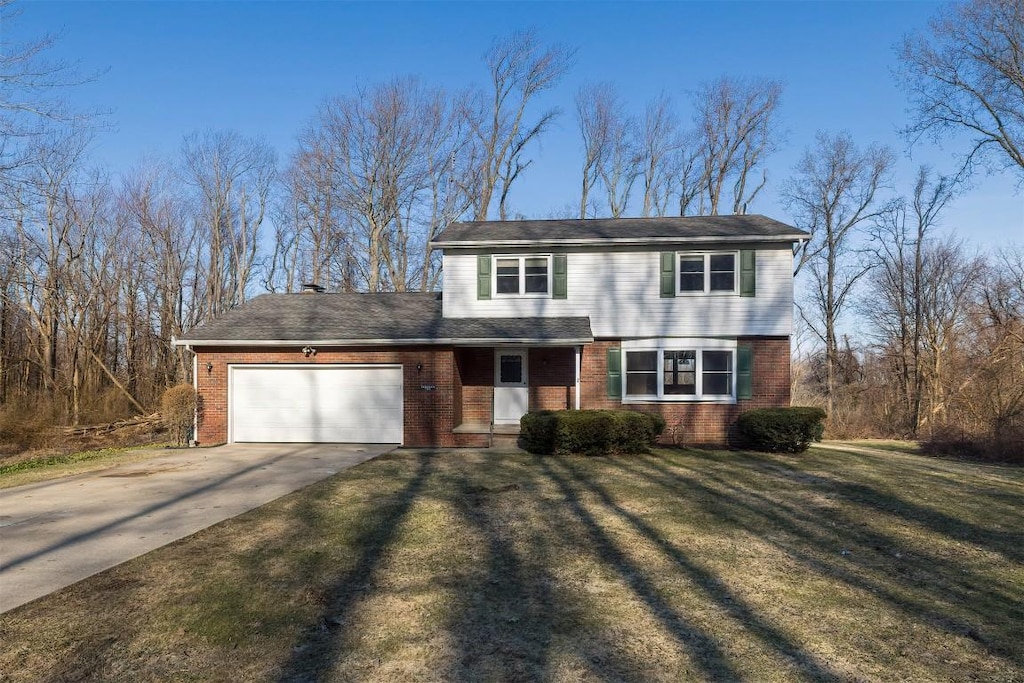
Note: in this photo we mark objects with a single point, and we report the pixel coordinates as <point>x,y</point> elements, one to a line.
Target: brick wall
<point>463,381</point>
<point>429,416</point>
<point>474,369</point>
<point>552,378</point>
<point>691,423</point>
<point>550,374</point>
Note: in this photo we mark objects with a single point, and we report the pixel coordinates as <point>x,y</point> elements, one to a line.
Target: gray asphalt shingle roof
<point>386,317</point>
<point>572,231</point>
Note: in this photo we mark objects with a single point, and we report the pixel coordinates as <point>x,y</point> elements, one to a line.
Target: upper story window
<point>711,272</point>
<point>522,275</point>
<point>707,273</point>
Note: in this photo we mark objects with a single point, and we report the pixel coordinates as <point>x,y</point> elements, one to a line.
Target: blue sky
<point>169,68</point>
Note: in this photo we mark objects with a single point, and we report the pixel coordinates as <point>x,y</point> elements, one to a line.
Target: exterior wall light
<point>209,367</point>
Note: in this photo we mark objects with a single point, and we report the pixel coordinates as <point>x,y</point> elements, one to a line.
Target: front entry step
<point>503,437</point>
<point>505,442</point>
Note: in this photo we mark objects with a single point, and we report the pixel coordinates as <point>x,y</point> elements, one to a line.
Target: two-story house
<point>688,317</point>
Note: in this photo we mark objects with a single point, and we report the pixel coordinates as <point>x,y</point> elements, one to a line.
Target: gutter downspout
<point>195,388</point>
<point>578,353</point>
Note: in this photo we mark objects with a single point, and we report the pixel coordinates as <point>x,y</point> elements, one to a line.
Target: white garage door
<point>316,404</point>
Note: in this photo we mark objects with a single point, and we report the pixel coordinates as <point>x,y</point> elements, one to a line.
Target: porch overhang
<point>539,331</point>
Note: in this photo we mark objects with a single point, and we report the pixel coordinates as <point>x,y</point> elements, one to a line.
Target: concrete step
<point>505,442</point>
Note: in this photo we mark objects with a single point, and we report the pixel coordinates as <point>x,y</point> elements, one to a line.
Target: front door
<point>511,392</point>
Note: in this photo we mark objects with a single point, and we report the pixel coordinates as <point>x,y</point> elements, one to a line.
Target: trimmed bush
<point>592,432</point>
<point>781,430</point>
<point>177,410</point>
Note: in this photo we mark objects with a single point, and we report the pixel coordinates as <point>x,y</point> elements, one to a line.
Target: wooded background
<point>98,273</point>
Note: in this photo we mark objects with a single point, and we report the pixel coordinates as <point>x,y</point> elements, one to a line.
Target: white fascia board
<point>604,241</point>
<point>309,342</point>
<point>503,341</point>
<point>380,342</point>
<point>661,343</point>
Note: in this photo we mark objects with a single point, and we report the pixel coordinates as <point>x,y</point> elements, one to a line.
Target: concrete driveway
<point>57,532</point>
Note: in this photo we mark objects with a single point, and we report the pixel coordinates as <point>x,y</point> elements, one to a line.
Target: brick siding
<point>429,416</point>
<point>463,388</point>
<point>697,423</point>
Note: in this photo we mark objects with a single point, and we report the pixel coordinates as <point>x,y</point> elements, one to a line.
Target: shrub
<point>593,432</point>
<point>177,410</point>
<point>949,441</point>
<point>785,430</point>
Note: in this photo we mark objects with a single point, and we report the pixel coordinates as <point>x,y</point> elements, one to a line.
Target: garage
<point>315,403</point>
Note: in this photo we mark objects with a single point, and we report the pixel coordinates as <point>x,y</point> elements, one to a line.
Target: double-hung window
<point>680,374</point>
<point>707,273</point>
<point>522,275</point>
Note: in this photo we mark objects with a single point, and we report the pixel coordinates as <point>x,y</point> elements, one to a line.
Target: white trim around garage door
<point>315,403</point>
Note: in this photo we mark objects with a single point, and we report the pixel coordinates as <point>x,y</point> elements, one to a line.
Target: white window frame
<point>659,346</point>
<point>522,293</point>
<point>707,273</point>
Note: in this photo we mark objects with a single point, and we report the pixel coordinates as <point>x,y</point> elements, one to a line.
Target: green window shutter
<point>614,373</point>
<point>668,274</point>
<point>483,276</point>
<point>559,281</point>
<point>744,372</point>
<point>747,270</point>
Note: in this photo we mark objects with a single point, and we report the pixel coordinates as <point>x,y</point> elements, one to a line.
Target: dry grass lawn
<point>466,566</point>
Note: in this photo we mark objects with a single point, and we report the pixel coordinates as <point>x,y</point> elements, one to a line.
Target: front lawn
<point>467,566</point>
<point>21,470</point>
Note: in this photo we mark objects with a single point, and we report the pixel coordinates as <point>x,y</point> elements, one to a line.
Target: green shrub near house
<point>781,430</point>
<point>592,432</point>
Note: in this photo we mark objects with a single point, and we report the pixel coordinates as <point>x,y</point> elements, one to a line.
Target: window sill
<point>723,400</point>
<point>687,294</point>
<point>522,296</point>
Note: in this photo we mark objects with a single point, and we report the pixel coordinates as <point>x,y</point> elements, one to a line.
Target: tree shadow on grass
<point>708,583</point>
<point>502,621</point>
<point>912,581</point>
<point>319,646</point>
<point>705,650</point>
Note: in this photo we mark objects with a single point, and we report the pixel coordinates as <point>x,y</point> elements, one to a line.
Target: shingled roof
<point>745,228</point>
<point>386,318</point>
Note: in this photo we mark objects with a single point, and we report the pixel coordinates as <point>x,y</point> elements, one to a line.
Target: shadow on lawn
<point>319,646</point>
<point>512,615</point>
<point>707,653</point>
<point>925,586</point>
<point>502,625</point>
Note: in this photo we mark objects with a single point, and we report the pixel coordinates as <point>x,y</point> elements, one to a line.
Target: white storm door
<point>511,391</point>
<point>315,404</point>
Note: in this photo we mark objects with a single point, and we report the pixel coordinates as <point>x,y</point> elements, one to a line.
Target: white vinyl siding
<point>620,292</point>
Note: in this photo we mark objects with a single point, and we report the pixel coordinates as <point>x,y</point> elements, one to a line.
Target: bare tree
<point>967,76</point>
<point>376,177</point>
<point>659,142</point>
<point>611,141</point>
<point>519,68</point>
<point>994,389</point>
<point>232,176</point>
<point>165,256</point>
<point>594,106</point>
<point>832,195</point>
<point>735,125</point>
<point>904,288</point>
<point>688,175</point>
<point>28,81</point>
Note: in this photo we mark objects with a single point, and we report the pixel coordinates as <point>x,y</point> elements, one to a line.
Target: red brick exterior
<point>698,423</point>
<point>456,386</point>
<point>429,416</point>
